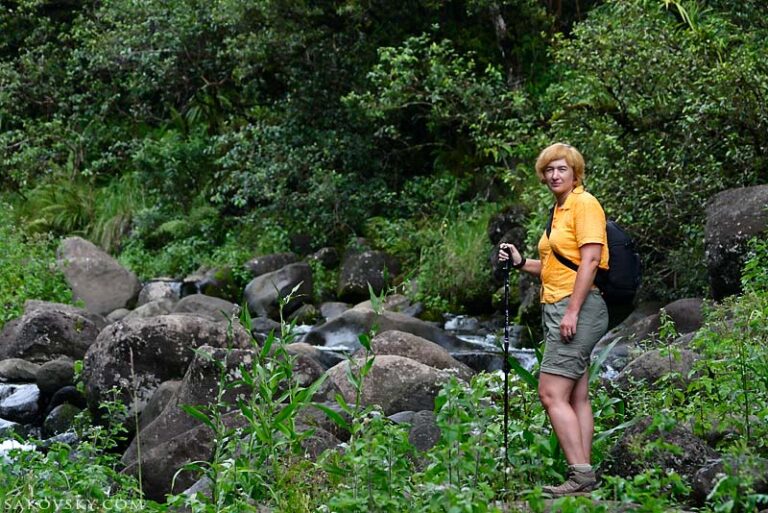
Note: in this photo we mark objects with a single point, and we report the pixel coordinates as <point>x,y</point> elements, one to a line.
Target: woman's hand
<point>568,326</point>
<point>506,250</point>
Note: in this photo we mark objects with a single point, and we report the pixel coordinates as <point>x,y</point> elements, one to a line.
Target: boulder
<point>47,331</point>
<point>117,315</point>
<point>754,471</point>
<point>264,292</point>
<point>630,457</point>
<point>199,387</point>
<point>55,375</point>
<point>305,315</point>
<point>33,304</point>
<point>686,314</point>
<point>160,288</point>
<point>67,395</point>
<point>95,277</point>
<point>21,404</point>
<point>399,343</point>
<point>734,216</point>
<point>424,433</point>
<point>264,264</point>
<point>216,282</point>
<point>653,365</point>
<point>332,309</point>
<point>395,383</point>
<point>136,356</point>
<point>159,400</point>
<point>59,420</point>
<point>325,358</point>
<point>327,257</point>
<point>207,307</point>
<point>361,269</point>
<point>16,370</point>
<point>343,331</point>
<point>153,308</point>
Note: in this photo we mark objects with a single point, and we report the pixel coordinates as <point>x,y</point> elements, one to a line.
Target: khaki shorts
<point>571,360</point>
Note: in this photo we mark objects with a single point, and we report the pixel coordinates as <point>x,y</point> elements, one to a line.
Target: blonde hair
<point>559,151</point>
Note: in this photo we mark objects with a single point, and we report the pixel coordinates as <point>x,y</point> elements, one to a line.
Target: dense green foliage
<point>171,130</point>
<point>27,269</point>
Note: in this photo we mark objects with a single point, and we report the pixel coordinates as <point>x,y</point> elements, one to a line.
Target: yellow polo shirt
<point>579,221</point>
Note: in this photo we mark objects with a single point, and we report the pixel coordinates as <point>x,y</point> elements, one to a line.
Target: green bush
<point>27,268</point>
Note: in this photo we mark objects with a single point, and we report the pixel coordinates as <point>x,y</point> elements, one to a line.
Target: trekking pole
<point>506,370</point>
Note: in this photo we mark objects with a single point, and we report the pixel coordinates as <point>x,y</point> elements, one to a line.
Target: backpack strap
<point>566,262</point>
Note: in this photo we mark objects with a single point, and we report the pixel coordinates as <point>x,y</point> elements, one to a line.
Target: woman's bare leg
<point>583,408</point>
<point>555,393</point>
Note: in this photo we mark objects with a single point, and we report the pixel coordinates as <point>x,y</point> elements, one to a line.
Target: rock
<point>325,358</point>
<point>629,457</point>
<point>216,282</point>
<point>152,309</point>
<point>207,307</point>
<point>392,303</point>
<point>361,269</point>
<point>159,400</point>
<point>706,478</point>
<point>48,331</point>
<point>264,264</point>
<point>734,216</point>
<point>67,395</point>
<point>54,375</point>
<point>327,257</point>
<point>416,348</point>
<point>8,429</point>
<point>32,305</point>
<point>95,277</point>
<point>199,387</point>
<point>160,288</point>
<point>263,292</point>
<point>332,309</point>
<point>306,314</point>
<point>60,420</point>
<point>686,314</point>
<point>136,356</point>
<point>424,433</point>
<point>314,417</point>
<point>17,370</point>
<point>343,331</point>
<point>395,383</point>
<point>402,417</point>
<point>21,405</point>
<point>117,315</point>
<point>653,365</point>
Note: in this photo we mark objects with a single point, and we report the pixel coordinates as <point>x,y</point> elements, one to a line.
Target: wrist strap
<point>519,264</point>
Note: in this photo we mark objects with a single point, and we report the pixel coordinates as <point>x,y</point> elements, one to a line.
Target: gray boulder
<point>653,365</point>
<point>216,282</point>
<point>49,330</point>
<point>332,309</point>
<point>745,469</point>
<point>136,356</point>
<point>153,308</point>
<point>54,375</point>
<point>160,288</point>
<point>361,269</point>
<point>733,218</point>
<point>686,314</point>
<point>159,400</point>
<point>264,292</point>
<point>20,403</point>
<point>59,420</point>
<point>199,387</point>
<point>264,264</point>
<point>16,370</point>
<point>395,383</point>
<point>399,343</point>
<point>208,307</point>
<point>424,433</point>
<point>95,277</point>
<point>629,458</point>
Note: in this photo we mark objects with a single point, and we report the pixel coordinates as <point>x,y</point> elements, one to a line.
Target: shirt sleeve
<point>589,222</point>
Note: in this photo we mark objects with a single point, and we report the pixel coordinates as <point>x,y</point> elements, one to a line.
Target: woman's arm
<point>585,277</point>
<point>531,266</point>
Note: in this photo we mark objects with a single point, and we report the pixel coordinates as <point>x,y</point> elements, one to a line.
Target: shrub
<point>27,268</point>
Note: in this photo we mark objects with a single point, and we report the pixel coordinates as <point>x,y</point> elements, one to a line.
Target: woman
<point>574,315</point>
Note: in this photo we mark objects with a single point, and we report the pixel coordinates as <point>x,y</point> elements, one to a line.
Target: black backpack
<point>618,285</point>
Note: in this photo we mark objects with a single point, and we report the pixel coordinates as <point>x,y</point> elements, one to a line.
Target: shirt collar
<point>576,190</point>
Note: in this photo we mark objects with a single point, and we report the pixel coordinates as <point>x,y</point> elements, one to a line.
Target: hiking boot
<point>578,483</point>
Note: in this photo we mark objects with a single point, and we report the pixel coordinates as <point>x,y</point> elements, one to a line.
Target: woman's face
<point>558,176</point>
